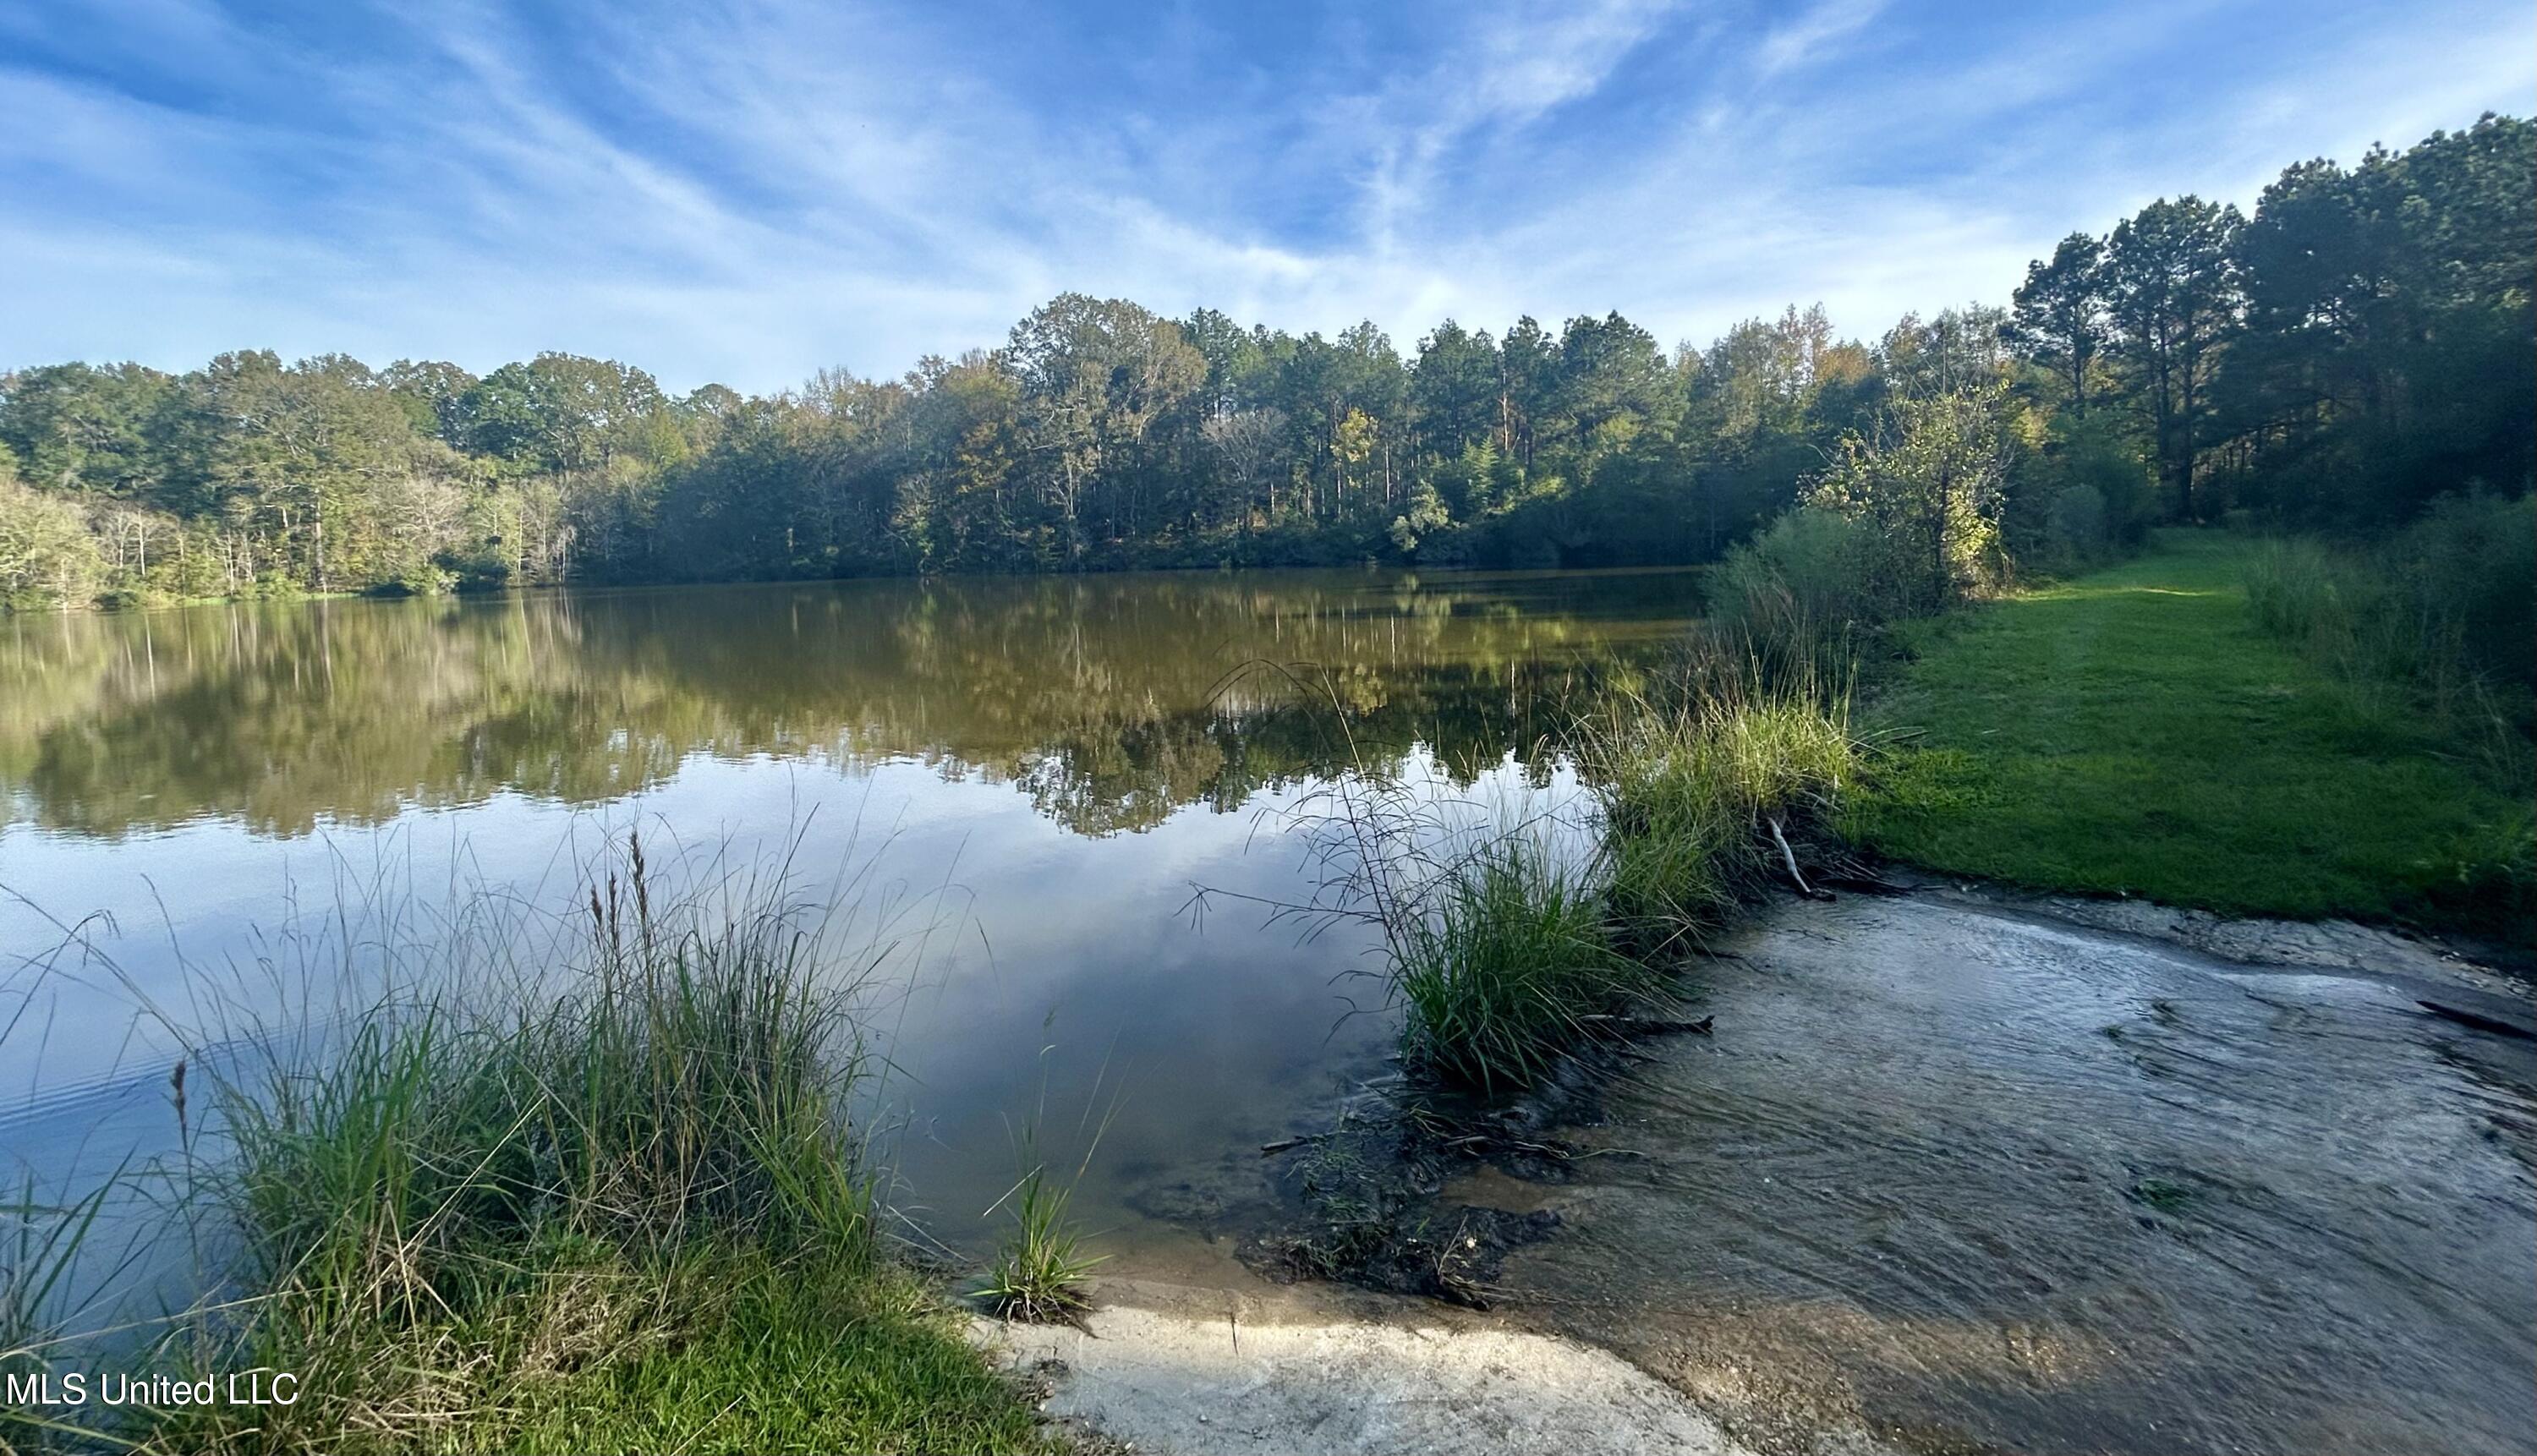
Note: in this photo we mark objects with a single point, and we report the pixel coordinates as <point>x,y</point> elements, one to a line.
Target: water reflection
<point>1105,698</point>
<point>1073,754</point>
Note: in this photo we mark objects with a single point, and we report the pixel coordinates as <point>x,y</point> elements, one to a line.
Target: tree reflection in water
<point>1109,700</point>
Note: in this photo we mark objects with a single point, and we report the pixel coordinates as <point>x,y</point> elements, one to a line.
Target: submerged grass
<point>630,1212</point>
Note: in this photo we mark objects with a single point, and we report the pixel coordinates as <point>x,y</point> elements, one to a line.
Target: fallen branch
<point>1788,857</point>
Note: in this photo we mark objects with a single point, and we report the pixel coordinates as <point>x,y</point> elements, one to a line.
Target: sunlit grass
<point>1512,935</point>
<point>2138,733</point>
<point>1710,791</point>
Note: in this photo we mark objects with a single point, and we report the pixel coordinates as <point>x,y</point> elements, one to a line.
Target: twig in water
<point>1788,857</point>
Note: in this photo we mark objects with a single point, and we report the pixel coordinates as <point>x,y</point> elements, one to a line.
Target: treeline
<point>2363,342</point>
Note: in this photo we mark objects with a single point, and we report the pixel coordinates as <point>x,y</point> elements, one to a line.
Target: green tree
<point>1930,483</point>
<point>2173,299</point>
<point>2058,317</point>
<point>99,430</point>
<point>434,394</point>
<point>47,557</point>
<point>1096,373</point>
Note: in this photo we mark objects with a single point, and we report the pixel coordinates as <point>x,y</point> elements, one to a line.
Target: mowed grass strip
<point>2133,733</point>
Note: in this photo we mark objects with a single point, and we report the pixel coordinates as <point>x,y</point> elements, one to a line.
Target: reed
<point>1714,791</point>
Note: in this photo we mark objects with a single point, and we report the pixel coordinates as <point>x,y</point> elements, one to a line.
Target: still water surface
<point>1044,768</point>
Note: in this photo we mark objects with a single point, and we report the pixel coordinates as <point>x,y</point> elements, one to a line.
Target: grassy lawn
<point>2133,733</point>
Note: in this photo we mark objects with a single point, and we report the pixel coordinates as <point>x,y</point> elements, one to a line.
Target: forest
<point>2361,345</point>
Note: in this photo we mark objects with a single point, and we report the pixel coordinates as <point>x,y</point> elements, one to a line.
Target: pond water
<point>1040,771</point>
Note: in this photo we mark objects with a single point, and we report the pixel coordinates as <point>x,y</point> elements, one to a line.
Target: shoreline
<point>1166,1339</point>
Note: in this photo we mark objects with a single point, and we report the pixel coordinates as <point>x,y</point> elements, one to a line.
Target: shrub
<point>2075,529</point>
<point>2449,602</point>
<point>1811,566</point>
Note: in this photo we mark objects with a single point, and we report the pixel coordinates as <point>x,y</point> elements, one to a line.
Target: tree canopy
<point>2363,342</point>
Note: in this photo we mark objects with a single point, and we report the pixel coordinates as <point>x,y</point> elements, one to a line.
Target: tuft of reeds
<point>1509,941</point>
<point>41,1240</point>
<point>1506,964</point>
<point>1041,1264</point>
<point>444,1186</point>
<point>592,1183</point>
<point>1714,791</point>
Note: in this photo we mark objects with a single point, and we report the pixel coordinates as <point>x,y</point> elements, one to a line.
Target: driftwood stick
<point>1788,857</point>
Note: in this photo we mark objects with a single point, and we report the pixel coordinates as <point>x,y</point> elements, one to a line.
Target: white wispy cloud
<point>754,191</point>
<point>1816,30</point>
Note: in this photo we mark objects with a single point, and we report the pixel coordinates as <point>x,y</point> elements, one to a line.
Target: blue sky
<point>750,192</point>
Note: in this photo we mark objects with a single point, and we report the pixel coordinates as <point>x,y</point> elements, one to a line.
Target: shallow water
<point>1976,1180</point>
<point>1033,772</point>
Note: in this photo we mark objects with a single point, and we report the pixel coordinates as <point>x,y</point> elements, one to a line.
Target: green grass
<point>617,1206</point>
<point>1506,964</point>
<point>1040,1267</point>
<point>865,1360</point>
<point>1504,956</point>
<point>2136,731</point>
<point>1707,794</point>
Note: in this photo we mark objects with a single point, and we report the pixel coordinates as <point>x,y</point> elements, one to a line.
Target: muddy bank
<point>1952,1172</point>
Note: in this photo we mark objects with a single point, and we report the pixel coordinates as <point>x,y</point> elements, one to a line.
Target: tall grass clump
<point>611,1201</point>
<point>1505,965</point>
<point>1488,938</point>
<point>2438,620</point>
<point>2449,600</point>
<point>449,1192</point>
<point>1040,1267</point>
<point>41,1240</point>
<point>1714,790</point>
<point>1509,940</point>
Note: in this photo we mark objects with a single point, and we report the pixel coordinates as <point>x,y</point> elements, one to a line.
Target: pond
<point>1960,1178</point>
<point>1026,778</point>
